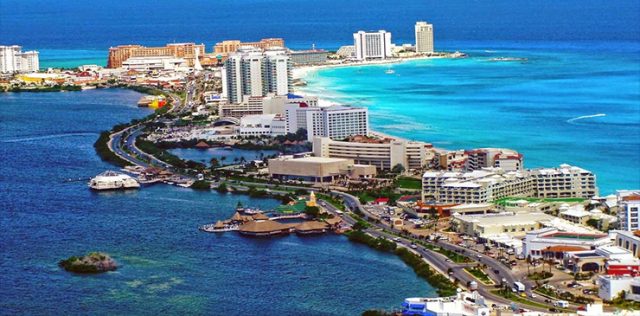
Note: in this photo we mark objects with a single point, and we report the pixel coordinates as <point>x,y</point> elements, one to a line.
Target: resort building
<point>317,169</point>
<point>577,214</point>
<point>478,186</point>
<point>336,122</point>
<point>502,223</point>
<point>611,260</point>
<point>424,37</point>
<point>553,243</point>
<point>628,240</point>
<point>308,57</point>
<point>611,286</point>
<point>188,51</point>
<point>506,159</point>
<point>14,60</point>
<point>262,125</point>
<point>372,45</point>
<point>490,184</point>
<point>154,63</point>
<point>383,153</point>
<point>252,73</point>
<point>231,46</point>
<point>564,181</point>
<point>628,209</point>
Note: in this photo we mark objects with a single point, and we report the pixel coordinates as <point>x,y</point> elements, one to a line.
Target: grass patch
<point>504,201</point>
<point>518,299</point>
<point>409,183</point>
<point>480,275</point>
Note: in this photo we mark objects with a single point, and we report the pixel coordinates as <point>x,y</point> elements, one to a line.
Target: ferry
<point>111,180</point>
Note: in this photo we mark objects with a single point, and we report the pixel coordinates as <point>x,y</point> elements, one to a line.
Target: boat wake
<point>36,138</point>
<point>585,117</point>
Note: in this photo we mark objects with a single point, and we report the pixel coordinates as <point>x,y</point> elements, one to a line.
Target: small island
<point>94,262</point>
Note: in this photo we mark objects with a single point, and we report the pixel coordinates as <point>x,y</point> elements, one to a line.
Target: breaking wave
<point>585,117</point>
<point>36,138</point>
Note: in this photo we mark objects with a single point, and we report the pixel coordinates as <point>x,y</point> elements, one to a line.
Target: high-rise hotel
<point>13,59</point>
<point>372,45</point>
<point>424,37</point>
<point>249,72</point>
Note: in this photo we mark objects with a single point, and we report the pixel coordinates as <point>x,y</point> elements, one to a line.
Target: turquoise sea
<point>577,104</point>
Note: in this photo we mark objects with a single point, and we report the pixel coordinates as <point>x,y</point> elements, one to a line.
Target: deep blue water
<point>168,266</point>
<point>575,103</point>
<point>90,27</point>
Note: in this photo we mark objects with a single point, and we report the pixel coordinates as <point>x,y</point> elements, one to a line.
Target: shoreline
<point>302,71</point>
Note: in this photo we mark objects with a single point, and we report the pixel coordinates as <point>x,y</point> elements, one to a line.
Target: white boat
<point>390,71</point>
<point>88,87</point>
<point>111,180</point>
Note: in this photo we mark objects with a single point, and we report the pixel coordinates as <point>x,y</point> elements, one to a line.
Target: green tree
<point>398,169</point>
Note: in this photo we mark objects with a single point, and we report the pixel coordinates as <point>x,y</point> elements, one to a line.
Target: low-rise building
<point>317,169</point>
<point>628,240</point>
<point>262,125</point>
<point>612,260</point>
<point>308,57</point>
<point>383,153</point>
<point>612,286</point>
<point>154,63</point>
<point>551,243</point>
<point>512,224</point>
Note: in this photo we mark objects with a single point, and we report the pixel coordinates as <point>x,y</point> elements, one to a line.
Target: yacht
<point>111,180</point>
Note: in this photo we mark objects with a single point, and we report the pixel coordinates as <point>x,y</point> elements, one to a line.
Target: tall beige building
<point>424,37</point>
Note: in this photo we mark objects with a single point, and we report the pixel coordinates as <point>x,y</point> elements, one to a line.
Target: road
<point>441,263</point>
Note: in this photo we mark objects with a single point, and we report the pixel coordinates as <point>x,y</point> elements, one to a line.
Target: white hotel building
<point>489,184</point>
<point>424,37</point>
<point>383,154</point>
<point>336,122</point>
<point>372,45</point>
<point>13,59</point>
<point>629,209</point>
<point>253,73</point>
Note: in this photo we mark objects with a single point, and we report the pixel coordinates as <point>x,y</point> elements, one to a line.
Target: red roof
<point>382,200</point>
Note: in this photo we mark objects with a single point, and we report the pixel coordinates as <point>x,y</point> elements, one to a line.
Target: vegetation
<point>94,262</point>
<point>56,88</point>
<point>201,185</point>
<point>222,188</point>
<point>312,211</point>
<point>161,154</point>
<point>409,183</point>
<point>479,274</point>
<point>506,293</point>
<point>379,243</point>
<point>102,149</point>
<point>398,169</point>
<point>620,302</point>
<point>541,275</point>
<point>443,284</point>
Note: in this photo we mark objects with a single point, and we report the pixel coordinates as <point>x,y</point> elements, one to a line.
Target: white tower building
<point>424,37</point>
<point>12,59</point>
<point>372,45</point>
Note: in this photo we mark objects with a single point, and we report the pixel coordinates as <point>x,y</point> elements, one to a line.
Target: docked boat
<point>111,180</point>
<point>87,87</point>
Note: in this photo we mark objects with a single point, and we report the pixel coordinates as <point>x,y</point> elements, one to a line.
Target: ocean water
<point>167,265</point>
<point>576,103</point>
<point>89,28</point>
